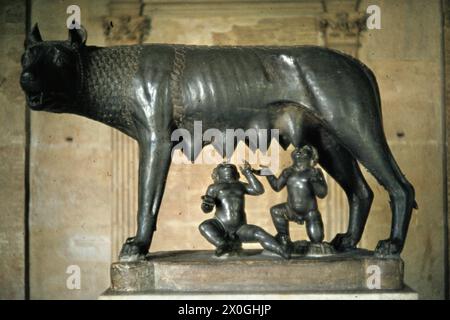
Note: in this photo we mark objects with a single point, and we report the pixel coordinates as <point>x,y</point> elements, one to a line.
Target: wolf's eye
<point>25,60</point>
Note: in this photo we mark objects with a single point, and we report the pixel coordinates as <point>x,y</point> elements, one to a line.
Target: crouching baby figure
<point>229,229</point>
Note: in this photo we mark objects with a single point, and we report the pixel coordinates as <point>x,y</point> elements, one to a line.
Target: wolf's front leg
<point>154,163</point>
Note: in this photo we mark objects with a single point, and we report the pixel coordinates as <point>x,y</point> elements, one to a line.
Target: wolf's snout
<point>28,81</point>
<point>27,77</point>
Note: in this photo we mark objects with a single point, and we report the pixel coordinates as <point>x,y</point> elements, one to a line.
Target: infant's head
<point>305,155</point>
<point>225,172</point>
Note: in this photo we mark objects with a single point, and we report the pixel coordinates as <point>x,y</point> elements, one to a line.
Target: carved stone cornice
<point>125,29</point>
<point>342,30</point>
<point>343,24</point>
<point>231,8</point>
<point>125,23</point>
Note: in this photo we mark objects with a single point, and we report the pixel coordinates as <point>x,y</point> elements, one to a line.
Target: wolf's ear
<point>34,36</point>
<point>78,36</point>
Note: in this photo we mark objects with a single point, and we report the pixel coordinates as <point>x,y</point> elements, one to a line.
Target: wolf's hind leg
<point>342,167</point>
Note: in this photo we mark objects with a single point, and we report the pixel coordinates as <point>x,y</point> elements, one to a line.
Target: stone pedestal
<point>257,274</point>
<point>404,294</point>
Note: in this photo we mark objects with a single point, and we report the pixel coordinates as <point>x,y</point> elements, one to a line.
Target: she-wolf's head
<point>51,70</point>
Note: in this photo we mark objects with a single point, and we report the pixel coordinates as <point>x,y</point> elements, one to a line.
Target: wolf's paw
<point>343,242</point>
<point>132,250</point>
<point>388,248</point>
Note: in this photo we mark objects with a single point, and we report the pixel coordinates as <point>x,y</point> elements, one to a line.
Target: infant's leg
<point>213,231</point>
<point>280,221</point>
<point>314,226</point>
<point>252,233</point>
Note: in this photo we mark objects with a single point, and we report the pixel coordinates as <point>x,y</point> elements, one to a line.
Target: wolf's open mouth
<point>35,99</point>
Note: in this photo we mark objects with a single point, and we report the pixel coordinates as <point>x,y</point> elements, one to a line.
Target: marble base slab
<point>257,272</point>
<point>405,294</point>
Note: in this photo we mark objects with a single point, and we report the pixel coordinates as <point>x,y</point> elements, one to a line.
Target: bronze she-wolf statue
<point>313,95</point>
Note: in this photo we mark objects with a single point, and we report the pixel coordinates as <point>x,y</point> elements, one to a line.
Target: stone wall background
<point>12,151</point>
<point>70,177</point>
<point>406,56</point>
<point>80,211</point>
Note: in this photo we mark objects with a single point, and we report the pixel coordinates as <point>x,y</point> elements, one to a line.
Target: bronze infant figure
<point>229,229</point>
<point>304,183</point>
<point>312,95</point>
